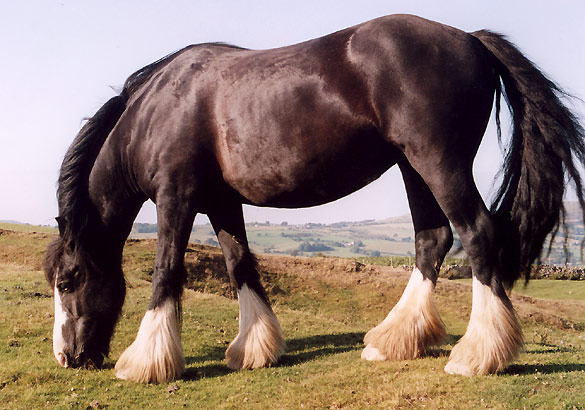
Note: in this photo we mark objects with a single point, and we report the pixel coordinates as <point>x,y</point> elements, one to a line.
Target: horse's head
<point>88,301</point>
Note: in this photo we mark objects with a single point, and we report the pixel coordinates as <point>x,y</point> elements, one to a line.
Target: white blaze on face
<point>58,339</point>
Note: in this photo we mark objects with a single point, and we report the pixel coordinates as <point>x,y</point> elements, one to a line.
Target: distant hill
<point>388,237</point>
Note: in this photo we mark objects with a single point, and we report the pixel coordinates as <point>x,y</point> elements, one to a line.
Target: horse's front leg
<point>156,356</point>
<point>259,341</point>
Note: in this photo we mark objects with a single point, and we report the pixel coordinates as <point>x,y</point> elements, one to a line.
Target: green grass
<point>548,289</point>
<point>553,289</point>
<point>324,313</point>
<point>321,368</point>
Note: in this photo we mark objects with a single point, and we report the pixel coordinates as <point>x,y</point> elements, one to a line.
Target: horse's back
<point>308,123</point>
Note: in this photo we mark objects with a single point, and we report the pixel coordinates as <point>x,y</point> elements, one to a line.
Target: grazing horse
<point>214,126</point>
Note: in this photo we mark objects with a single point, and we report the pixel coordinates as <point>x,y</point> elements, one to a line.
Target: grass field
<point>325,306</point>
<point>547,289</point>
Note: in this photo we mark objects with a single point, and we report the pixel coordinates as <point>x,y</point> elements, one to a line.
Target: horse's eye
<point>64,286</point>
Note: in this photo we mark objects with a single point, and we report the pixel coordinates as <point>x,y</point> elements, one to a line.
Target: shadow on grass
<point>206,371</point>
<point>210,353</point>
<point>312,347</point>
<point>298,350</point>
<point>548,349</point>
<point>550,368</point>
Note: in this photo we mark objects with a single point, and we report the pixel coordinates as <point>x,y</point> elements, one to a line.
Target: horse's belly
<point>313,191</point>
<point>291,178</point>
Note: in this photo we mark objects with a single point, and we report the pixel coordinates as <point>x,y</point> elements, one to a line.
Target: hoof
<point>493,337</point>
<point>411,327</point>
<point>259,342</point>
<point>459,368</point>
<point>156,356</point>
<point>372,354</point>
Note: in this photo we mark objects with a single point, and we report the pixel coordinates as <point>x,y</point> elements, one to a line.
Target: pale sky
<point>61,59</point>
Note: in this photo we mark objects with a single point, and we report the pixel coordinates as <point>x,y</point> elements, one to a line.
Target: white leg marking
<point>493,337</point>
<point>410,328</point>
<point>58,339</point>
<point>259,341</point>
<point>156,356</point>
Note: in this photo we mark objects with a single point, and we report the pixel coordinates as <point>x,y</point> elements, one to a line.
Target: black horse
<point>213,126</point>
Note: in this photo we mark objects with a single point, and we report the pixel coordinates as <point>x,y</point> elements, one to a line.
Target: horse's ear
<point>62,224</point>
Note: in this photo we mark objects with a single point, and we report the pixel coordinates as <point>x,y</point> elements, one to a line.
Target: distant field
<point>325,306</point>
<point>27,228</point>
<point>389,237</point>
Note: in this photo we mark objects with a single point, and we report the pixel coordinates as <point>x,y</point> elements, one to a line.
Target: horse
<point>213,126</point>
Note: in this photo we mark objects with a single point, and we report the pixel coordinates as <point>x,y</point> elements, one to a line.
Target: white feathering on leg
<point>493,337</point>
<point>156,356</point>
<point>259,341</point>
<point>410,328</point>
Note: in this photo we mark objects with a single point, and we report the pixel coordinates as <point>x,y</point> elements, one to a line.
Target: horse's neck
<point>114,197</point>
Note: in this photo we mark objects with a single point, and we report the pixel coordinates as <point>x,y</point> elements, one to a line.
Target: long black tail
<point>72,192</point>
<point>546,148</point>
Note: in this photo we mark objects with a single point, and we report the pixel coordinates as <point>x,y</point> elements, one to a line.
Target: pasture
<point>325,306</point>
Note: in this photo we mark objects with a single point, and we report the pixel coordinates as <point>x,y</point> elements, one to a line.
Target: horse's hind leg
<point>493,337</point>
<point>259,341</point>
<point>413,325</point>
<point>156,356</point>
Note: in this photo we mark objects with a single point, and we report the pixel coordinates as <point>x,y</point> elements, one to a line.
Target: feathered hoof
<point>403,336</point>
<point>493,338</point>
<point>482,356</point>
<point>259,342</point>
<point>156,356</point>
<point>410,328</point>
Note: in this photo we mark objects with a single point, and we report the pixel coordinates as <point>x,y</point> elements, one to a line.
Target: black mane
<point>75,209</point>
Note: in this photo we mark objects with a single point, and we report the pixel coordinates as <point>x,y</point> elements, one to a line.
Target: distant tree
<point>313,247</point>
<point>357,249</point>
<point>145,228</point>
<point>211,241</point>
